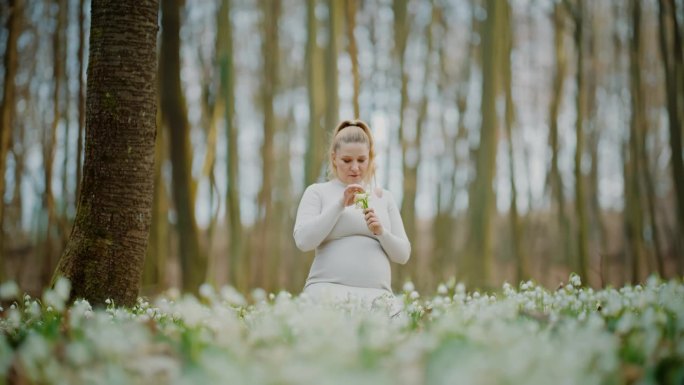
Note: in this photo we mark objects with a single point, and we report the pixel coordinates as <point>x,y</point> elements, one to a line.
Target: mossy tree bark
<point>174,116</point>
<point>16,11</point>
<point>105,253</point>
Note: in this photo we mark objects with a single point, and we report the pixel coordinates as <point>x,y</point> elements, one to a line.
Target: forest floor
<point>517,335</point>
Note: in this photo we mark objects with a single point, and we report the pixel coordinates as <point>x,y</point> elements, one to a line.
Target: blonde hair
<point>352,131</point>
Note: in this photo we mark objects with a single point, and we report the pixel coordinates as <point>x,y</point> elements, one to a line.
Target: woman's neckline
<point>338,182</point>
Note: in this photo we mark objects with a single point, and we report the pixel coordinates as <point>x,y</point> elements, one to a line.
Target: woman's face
<point>351,162</point>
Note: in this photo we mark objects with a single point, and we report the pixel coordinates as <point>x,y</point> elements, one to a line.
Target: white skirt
<point>325,291</point>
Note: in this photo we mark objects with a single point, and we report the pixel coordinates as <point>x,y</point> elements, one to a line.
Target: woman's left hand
<point>373,222</point>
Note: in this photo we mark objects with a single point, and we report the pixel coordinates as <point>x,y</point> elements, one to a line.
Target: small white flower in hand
<point>361,200</point>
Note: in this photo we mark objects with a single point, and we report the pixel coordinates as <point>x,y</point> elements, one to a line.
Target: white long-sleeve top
<point>347,252</point>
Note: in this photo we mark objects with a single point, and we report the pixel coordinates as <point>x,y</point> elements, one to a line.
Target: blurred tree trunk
<point>555,177</point>
<point>649,184</point>
<point>154,270</point>
<point>237,275</point>
<point>350,13</point>
<point>479,257</point>
<point>211,107</point>
<point>81,96</point>
<point>104,256</point>
<point>264,246</point>
<point>582,261</point>
<point>281,271</point>
<point>597,231</point>
<point>66,197</point>
<point>315,148</point>
<point>647,180</point>
<point>14,21</point>
<point>412,155</point>
<point>443,224</point>
<point>673,63</point>
<point>633,210</point>
<point>192,259</point>
<point>521,267</point>
<point>400,37</point>
<point>331,97</point>
<point>50,139</point>
<point>212,111</point>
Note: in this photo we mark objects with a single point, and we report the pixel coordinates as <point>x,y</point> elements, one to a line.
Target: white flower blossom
<point>9,290</point>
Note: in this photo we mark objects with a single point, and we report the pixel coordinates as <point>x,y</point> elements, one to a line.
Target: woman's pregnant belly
<point>353,260</point>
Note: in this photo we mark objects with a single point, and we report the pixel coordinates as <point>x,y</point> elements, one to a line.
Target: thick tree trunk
<point>192,258</point>
<point>479,254</point>
<point>16,14</point>
<point>105,253</point>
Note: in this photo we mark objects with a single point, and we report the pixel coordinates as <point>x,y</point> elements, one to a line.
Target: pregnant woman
<point>354,245</point>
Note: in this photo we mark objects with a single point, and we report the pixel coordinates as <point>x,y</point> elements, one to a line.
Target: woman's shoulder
<point>320,187</point>
<point>382,193</point>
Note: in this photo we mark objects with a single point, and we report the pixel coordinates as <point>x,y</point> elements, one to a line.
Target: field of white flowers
<point>519,335</point>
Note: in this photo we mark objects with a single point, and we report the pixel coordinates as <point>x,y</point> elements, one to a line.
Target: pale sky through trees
<point>532,63</point>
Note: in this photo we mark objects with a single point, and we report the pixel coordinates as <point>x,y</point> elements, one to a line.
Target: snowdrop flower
<point>232,296</point>
<point>206,291</point>
<point>460,288</point>
<point>414,295</point>
<point>259,294</point>
<point>442,289</point>
<point>9,290</point>
<point>408,287</point>
<point>53,300</point>
<point>575,280</point>
<point>63,288</point>
<point>361,200</point>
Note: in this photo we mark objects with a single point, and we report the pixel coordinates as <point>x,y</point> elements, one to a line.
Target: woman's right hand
<point>350,192</point>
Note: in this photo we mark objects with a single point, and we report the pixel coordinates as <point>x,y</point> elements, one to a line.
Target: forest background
<point>523,139</point>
